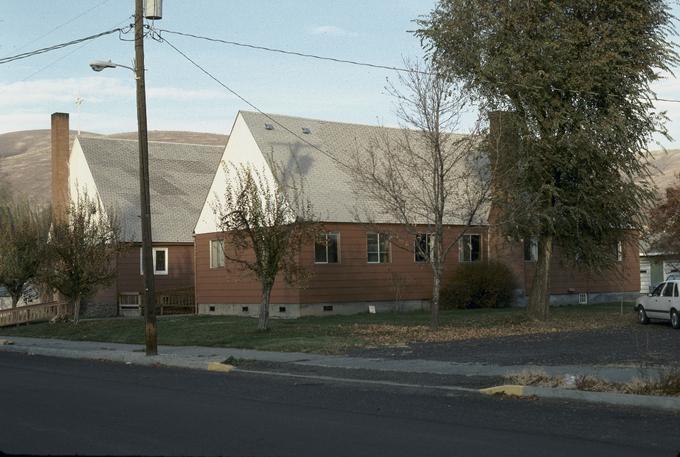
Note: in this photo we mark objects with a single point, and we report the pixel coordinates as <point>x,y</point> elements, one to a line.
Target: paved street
<point>57,406</point>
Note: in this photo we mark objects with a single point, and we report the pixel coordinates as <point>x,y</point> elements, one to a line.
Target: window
<point>658,290</point>
<point>668,290</point>
<point>531,249</point>
<point>618,251</point>
<point>378,247</point>
<point>216,253</point>
<point>326,248</point>
<point>422,247</point>
<point>675,294</point>
<point>470,248</point>
<point>160,261</point>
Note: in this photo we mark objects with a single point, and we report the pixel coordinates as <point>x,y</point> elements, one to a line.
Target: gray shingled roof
<point>328,186</point>
<point>180,177</point>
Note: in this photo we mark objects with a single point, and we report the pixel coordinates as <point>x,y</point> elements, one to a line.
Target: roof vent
<point>268,127</point>
<point>306,130</point>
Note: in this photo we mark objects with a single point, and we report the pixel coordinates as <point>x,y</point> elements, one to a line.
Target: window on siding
<point>216,253</point>
<point>618,251</point>
<point>326,248</point>
<point>378,247</point>
<point>423,244</point>
<point>470,248</point>
<point>160,261</point>
<point>531,249</point>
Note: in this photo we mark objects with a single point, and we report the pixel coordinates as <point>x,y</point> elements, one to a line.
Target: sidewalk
<point>196,357</point>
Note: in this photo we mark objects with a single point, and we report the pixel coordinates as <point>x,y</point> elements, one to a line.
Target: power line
<point>368,64</point>
<point>240,97</point>
<point>69,54</point>
<point>62,25</point>
<point>294,53</point>
<point>25,55</point>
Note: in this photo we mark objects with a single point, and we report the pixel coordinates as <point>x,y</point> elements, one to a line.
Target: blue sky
<point>182,98</point>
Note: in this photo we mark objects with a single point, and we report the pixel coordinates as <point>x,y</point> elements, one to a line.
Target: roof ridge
<point>158,142</point>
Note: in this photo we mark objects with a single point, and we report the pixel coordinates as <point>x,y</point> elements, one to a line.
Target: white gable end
<point>241,149</point>
<point>80,179</point>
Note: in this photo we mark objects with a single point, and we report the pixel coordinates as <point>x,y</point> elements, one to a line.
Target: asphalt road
<point>655,344</point>
<point>60,406</point>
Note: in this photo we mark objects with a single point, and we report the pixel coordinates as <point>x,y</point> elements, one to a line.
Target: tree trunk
<point>436,286</point>
<point>15,299</point>
<point>76,309</point>
<point>539,300</point>
<point>263,322</point>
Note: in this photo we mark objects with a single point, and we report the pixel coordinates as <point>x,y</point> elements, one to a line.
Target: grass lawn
<point>333,334</point>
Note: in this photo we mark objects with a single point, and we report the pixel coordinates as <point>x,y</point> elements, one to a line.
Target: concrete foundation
<point>592,298</point>
<point>294,311</point>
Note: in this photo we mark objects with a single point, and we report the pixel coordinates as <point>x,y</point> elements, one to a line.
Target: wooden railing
<point>176,302</point>
<point>34,313</point>
<point>179,301</point>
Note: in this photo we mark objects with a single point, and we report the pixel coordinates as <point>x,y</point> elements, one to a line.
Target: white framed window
<point>160,261</point>
<point>378,247</point>
<point>422,247</point>
<point>216,253</point>
<point>470,248</point>
<point>619,251</point>
<point>531,249</point>
<point>327,248</point>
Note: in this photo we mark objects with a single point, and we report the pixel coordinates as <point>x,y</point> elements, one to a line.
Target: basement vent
<point>306,130</point>
<point>328,308</point>
<point>268,127</point>
<point>582,298</point>
<point>244,309</point>
<point>282,309</point>
<point>212,309</point>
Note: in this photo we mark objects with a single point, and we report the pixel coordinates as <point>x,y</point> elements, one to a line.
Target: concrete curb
<point>220,367</point>
<point>644,401</point>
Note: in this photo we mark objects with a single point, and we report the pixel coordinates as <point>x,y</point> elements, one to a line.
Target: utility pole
<point>150,335</point>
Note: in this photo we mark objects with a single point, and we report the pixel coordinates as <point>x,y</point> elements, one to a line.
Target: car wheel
<point>675,319</point>
<point>642,316</point>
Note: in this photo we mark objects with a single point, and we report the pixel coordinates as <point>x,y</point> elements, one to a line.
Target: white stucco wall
<point>241,149</point>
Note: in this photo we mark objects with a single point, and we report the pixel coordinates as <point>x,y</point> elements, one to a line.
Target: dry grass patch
<point>667,384</point>
<point>515,324</point>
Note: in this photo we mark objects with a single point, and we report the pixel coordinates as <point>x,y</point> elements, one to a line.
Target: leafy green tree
<point>576,77</point>
<point>83,249</point>
<point>24,228</point>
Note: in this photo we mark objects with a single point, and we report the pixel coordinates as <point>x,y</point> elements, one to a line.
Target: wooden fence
<point>34,313</point>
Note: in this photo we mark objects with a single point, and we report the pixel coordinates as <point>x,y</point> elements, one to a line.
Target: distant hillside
<point>25,156</point>
<point>667,165</point>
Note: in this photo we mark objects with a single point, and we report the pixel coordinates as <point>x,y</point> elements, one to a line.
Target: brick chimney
<point>60,159</point>
<point>502,138</point>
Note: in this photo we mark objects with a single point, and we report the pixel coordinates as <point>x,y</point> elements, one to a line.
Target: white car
<point>662,304</point>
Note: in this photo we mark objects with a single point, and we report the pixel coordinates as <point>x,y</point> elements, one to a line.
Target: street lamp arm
<point>99,65</point>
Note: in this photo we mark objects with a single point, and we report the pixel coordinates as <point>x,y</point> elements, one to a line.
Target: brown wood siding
<point>352,279</point>
<point>180,269</point>
<point>623,277</point>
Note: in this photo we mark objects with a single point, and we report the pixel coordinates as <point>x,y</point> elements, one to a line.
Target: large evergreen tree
<point>576,75</point>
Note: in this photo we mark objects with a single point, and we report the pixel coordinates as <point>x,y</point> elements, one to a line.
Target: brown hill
<point>25,156</point>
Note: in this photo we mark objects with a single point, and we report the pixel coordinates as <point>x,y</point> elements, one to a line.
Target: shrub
<point>479,285</point>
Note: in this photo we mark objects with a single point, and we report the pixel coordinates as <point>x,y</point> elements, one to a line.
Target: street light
<point>99,65</point>
<point>144,194</point>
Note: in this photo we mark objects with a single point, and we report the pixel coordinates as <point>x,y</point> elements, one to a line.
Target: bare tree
<point>423,176</point>
<point>265,223</point>
<point>24,229</point>
<point>83,249</point>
